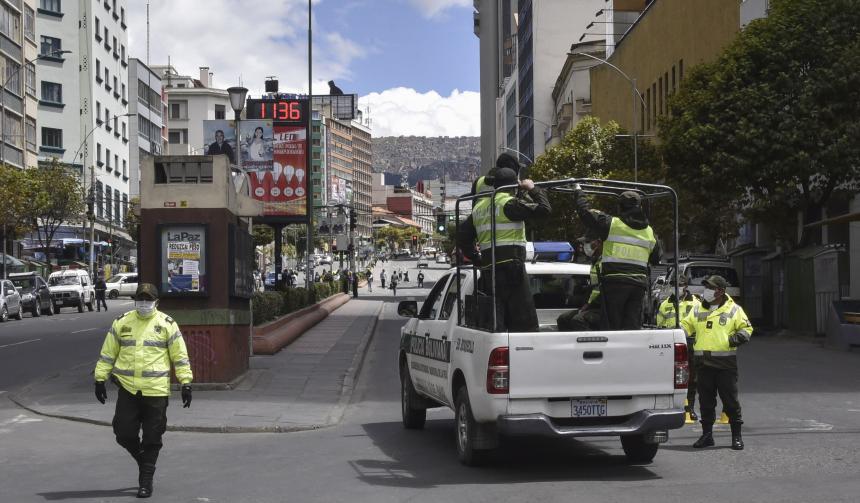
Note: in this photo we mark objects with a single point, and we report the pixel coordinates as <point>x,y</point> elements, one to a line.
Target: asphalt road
<point>800,403</point>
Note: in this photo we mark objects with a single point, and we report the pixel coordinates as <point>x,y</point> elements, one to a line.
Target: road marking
<point>20,419</point>
<point>84,330</point>
<point>18,343</point>
<point>811,425</point>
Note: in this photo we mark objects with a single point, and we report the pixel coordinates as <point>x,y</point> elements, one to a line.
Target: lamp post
<point>519,153</point>
<point>635,94</point>
<point>51,54</point>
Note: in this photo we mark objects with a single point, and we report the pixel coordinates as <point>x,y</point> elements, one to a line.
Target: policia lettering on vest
<point>137,354</point>
<point>514,303</point>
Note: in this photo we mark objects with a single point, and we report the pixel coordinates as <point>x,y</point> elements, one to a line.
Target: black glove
<point>101,391</point>
<point>736,340</point>
<point>186,396</point>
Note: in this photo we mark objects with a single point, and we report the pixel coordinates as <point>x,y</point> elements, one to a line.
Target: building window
<point>648,111</point>
<point>51,5</point>
<point>660,96</point>
<point>52,92</point>
<point>11,73</point>
<point>116,210</point>
<point>30,79</point>
<point>653,104</point>
<point>98,30</point>
<point>98,112</point>
<point>123,93</point>
<point>100,199</point>
<point>98,71</point>
<point>107,118</point>
<point>107,159</point>
<point>122,53</point>
<point>107,77</point>
<point>107,34</point>
<point>115,47</point>
<point>674,88</point>
<point>122,16</point>
<point>31,133</point>
<point>115,86</point>
<point>680,70</point>
<point>116,163</point>
<point>124,168</point>
<point>220,112</point>
<point>99,154</point>
<point>52,137</point>
<point>124,135</point>
<point>50,46</point>
<point>116,124</point>
<point>177,136</point>
<point>29,23</point>
<point>124,205</point>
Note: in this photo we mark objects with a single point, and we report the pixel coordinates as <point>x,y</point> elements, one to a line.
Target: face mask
<point>709,295</point>
<point>588,250</point>
<point>145,308</point>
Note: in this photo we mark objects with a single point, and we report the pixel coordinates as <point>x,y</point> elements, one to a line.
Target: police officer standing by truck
<point>512,293</point>
<point>719,326</point>
<point>137,354</point>
<point>667,315</point>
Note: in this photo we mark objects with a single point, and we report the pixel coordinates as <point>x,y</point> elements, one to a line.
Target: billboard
<point>219,137</point>
<point>183,260</point>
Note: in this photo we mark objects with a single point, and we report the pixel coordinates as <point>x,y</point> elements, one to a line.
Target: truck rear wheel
<point>414,416</point>
<point>637,450</point>
<point>467,430</point>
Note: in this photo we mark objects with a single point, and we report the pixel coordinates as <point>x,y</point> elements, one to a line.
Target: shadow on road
<point>130,492</point>
<point>517,461</point>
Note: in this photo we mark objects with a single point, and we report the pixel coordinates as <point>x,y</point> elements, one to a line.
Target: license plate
<point>589,407</point>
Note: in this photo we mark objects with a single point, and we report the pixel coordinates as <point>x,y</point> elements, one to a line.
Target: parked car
<point>35,296</point>
<point>10,301</point>
<point>269,283</point>
<point>124,283</point>
<point>72,288</point>
<point>441,258</point>
<point>325,260</point>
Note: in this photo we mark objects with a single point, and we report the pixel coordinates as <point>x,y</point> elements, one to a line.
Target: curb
<point>290,327</point>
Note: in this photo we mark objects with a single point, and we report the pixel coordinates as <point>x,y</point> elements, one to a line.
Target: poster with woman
<point>256,155</point>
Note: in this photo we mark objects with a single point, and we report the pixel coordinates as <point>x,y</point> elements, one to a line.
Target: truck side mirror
<point>408,308</point>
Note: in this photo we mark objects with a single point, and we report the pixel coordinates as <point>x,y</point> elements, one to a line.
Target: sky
<point>413,63</point>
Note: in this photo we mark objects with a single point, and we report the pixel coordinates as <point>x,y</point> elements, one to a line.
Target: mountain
<point>427,157</point>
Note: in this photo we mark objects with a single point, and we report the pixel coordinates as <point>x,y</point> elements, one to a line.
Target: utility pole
<point>92,221</point>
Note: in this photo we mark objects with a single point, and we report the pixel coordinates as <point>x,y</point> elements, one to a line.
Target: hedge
<point>267,306</point>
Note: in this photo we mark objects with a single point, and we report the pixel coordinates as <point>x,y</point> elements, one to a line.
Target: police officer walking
<point>512,293</point>
<point>629,246</point>
<point>719,326</point>
<point>590,315</point>
<point>137,354</point>
<point>667,314</point>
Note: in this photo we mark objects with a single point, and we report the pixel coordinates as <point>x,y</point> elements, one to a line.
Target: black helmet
<point>508,161</point>
<point>504,176</point>
<point>630,200</point>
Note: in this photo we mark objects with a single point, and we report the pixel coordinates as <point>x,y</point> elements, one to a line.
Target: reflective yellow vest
<point>666,313</point>
<point>712,328</point>
<point>627,246</point>
<point>482,185</point>
<point>595,282</point>
<point>139,351</point>
<point>508,232</point>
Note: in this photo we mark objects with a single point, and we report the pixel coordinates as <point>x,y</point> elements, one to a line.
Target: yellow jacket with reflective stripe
<point>666,312</point>
<point>139,351</point>
<point>626,246</point>
<point>713,328</point>
<point>508,232</point>
<point>595,282</point>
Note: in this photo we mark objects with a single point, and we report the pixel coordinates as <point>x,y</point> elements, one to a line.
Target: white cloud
<point>247,39</point>
<point>404,111</point>
<point>432,8</point>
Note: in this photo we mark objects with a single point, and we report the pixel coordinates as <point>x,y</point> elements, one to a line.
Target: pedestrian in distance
<point>369,275</point>
<point>719,326</point>
<point>101,290</point>
<point>406,276</point>
<point>420,279</point>
<point>394,285</point>
<point>136,355</point>
<point>629,246</point>
<point>382,279</point>
<point>590,316</point>
<point>666,316</point>
<point>354,285</point>
<point>513,297</point>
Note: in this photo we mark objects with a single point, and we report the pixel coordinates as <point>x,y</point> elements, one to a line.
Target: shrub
<point>268,306</point>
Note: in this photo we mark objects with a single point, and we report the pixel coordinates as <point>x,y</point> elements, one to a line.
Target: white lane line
<point>84,330</point>
<point>18,343</point>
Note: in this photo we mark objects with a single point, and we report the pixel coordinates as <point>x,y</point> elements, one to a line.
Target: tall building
<point>148,135</point>
<point>362,186</point>
<point>190,101</point>
<point>523,45</point>
<point>318,162</point>
<point>83,105</point>
<point>339,163</point>
<point>20,99</point>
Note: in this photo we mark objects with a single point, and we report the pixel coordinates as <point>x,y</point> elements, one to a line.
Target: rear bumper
<point>639,423</point>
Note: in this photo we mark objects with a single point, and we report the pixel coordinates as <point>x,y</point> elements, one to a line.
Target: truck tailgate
<point>592,364</point>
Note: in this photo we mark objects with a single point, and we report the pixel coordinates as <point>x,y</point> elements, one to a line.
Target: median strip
<point>19,343</point>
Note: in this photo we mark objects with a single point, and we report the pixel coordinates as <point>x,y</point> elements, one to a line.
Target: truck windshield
<point>24,283</point>
<point>559,291</point>
<point>64,280</point>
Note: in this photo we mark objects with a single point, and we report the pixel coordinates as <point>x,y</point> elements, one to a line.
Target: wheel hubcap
<point>462,427</point>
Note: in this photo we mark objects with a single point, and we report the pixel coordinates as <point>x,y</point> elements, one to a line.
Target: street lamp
<point>636,94</point>
<point>518,152</point>
<point>51,54</point>
<point>237,100</point>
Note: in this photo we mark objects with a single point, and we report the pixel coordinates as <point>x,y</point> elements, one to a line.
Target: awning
<point>841,219</point>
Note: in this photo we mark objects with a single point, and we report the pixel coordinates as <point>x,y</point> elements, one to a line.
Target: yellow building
<point>665,41</point>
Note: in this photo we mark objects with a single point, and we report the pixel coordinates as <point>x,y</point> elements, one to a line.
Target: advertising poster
<point>219,137</point>
<point>337,188</point>
<point>257,155</point>
<point>285,192</point>
<point>183,259</point>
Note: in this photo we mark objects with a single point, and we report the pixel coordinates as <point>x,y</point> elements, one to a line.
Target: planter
<point>275,335</point>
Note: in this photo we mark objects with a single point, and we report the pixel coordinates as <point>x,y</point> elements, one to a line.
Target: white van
<point>123,284</point>
<point>72,288</point>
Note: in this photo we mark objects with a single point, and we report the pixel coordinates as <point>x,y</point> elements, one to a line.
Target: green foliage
<point>132,219</point>
<point>268,306</point>
<point>54,196</point>
<point>262,235</point>
<point>13,201</point>
<point>770,127</point>
<point>395,237</point>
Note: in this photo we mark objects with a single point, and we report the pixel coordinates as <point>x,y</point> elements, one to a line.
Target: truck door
<point>440,340</point>
<point>423,357</point>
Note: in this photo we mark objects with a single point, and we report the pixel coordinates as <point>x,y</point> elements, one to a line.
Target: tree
<point>13,210</point>
<point>54,196</point>
<point>395,237</point>
<point>132,219</point>
<point>770,127</point>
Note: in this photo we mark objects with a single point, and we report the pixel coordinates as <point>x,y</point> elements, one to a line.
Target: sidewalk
<point>305,386</point>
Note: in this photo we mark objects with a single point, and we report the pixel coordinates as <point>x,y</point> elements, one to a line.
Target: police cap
<point>146,291</point>
<point>715,281</point>
<point>505,176</point>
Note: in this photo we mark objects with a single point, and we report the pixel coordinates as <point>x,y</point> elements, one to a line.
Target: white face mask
<point>709,295</point>
<point>588,249</point>
<point>145,308</point>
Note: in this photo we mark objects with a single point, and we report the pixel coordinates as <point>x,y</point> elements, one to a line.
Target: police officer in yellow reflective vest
<point>137,354</point>
<point>512,293</point>
<point>666,318</point>
<point>719,327</point>
<point>629,245</point>
<point>590,315</point>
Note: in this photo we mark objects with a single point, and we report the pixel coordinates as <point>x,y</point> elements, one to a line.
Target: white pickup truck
<point>630,384</point>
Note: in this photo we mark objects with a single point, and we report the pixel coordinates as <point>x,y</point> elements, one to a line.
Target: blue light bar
<point>560,251</point>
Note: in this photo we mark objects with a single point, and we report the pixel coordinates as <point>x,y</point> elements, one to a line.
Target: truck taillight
<point>498,368</point>
<point>682,366</point>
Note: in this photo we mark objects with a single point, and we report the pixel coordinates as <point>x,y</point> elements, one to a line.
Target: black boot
<point>147,471</point>
<point>707,438</point>
<point>737,439</point>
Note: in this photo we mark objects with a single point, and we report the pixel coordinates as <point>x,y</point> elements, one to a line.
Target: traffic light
<point>441,223</point>
<point>415,241</point>
<point>352,218</point>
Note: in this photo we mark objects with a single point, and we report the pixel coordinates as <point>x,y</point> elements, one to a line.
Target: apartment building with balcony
<point>148,134</point>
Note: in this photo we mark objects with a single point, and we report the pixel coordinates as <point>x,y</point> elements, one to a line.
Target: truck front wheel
<point>637,450</point>
<point>467,431</point>
<point>414,416</point>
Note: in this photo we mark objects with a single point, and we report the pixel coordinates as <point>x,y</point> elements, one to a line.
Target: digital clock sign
<point>278,110</point>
